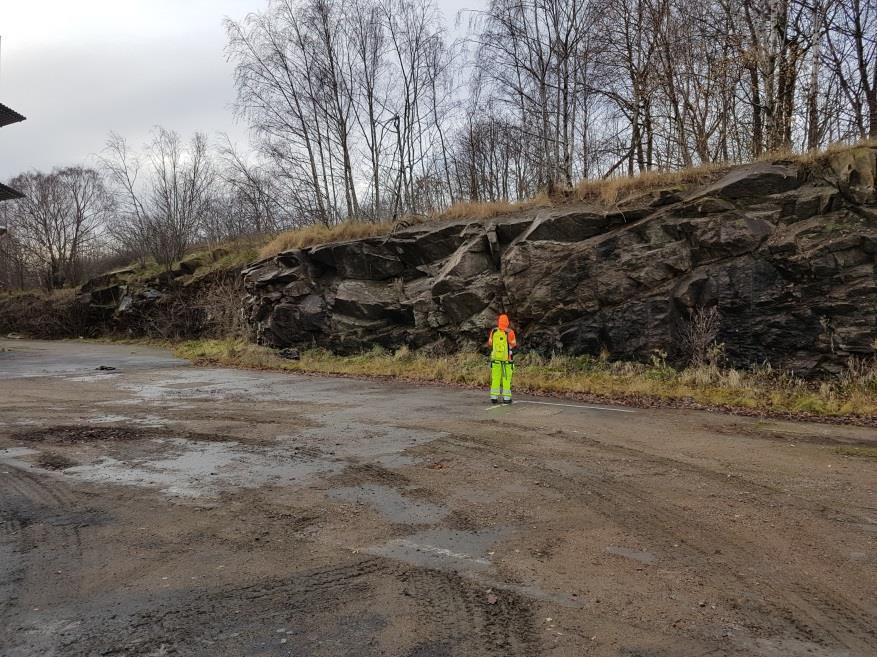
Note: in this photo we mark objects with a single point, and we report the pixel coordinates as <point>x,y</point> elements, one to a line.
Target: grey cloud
<point>73,96</point>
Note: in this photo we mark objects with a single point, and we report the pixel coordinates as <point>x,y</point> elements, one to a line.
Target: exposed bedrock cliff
<point>786,251</point>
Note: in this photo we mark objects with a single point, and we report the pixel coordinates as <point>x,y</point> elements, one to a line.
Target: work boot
<point>506,401</point>
<point>494,401</point>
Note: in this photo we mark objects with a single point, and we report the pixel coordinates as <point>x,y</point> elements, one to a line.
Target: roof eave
<point>9,116</point>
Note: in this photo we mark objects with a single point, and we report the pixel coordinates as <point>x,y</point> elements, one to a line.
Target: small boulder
<point>753,181</point>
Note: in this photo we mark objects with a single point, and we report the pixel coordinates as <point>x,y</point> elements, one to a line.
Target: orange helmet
<point>503,321</point>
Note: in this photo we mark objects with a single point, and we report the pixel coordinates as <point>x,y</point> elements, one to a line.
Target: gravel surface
<point>163,509</point>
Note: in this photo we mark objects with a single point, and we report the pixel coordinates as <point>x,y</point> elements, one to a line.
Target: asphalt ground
<point>162,509</point>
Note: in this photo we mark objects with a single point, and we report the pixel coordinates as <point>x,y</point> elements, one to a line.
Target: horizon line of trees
<point>364,108</point>
<point>367,110</point>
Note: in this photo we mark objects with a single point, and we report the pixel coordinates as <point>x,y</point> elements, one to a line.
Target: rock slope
<point>785,251</point>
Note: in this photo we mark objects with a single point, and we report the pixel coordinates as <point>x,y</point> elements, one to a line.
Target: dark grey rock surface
<point>786,252</point>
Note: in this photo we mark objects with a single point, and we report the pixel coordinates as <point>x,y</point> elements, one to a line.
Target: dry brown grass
<point>860,452</point>
<point>612,191</point>
<point>606,193</point>
<point>481,210</point>
<point>300,238</point>
<point>819,155</point>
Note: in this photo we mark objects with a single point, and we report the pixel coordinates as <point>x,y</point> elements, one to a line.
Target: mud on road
<point>162,509</point>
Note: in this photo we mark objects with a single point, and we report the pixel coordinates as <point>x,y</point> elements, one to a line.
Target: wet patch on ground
<point>54,461</point>
<point>109,433</point>
<point>391,504</point>
<point>72,435</point>
<point>189,464</point>
<point>183,468</point>
<point>443,549</point>
<point>637,555</point>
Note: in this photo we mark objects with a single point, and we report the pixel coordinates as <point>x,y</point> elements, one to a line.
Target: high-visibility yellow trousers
<point>501,380</point>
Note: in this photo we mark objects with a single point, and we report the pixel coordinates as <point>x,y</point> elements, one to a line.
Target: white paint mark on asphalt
<point>581,406</point>
<point>441,552</point>
<point>590,408</point>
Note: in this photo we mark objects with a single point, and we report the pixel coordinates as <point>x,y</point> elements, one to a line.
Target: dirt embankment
<point>198,297</point>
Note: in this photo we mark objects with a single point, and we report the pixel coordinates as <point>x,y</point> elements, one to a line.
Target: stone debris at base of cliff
<point>786,251</point>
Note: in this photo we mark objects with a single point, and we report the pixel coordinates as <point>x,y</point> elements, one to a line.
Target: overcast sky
<point>78,69</point>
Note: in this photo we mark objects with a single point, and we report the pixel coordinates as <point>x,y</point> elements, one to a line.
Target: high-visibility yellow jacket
<point>502,343</point>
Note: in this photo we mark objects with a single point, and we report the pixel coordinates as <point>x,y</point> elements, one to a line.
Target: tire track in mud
<point>452,611</point>
<point>33,511</point>
<point>826,610</point>
<point>505,628</point>
<point>815,613</point>
<point>319,582</point>
<point>791,500</point>
<point>191,623</point>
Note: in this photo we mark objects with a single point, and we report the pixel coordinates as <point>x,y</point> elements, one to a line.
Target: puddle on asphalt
<point>636,555</point>
<point>207,384</point>
<point>203,469</point>
<point>466,553</point>
<point>352,439</point>
<point>17,452</point>
<point>391,504</point>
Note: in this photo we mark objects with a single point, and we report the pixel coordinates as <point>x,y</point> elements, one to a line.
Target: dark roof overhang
<point>9,115</point>
<point>7,193</point>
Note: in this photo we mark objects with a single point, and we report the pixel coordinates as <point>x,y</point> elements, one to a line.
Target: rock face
<point>785,251</point>
<point>197,297</point>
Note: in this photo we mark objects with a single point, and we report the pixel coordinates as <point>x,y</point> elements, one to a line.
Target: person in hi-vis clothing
<point>502,343</point>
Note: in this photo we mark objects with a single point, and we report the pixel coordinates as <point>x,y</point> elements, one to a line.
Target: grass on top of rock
<point>851,395</point>
<point>601,193</point>
<point>200,260</point>
<point>302,238</point>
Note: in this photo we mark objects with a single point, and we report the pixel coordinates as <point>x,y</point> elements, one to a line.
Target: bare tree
<point>276,93</point>
<point>248,202</point>
<point>852,56</point>
<point>368,41</point>
<point>58,220</point>
<point>160,215</point>
<point>15,272</point>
